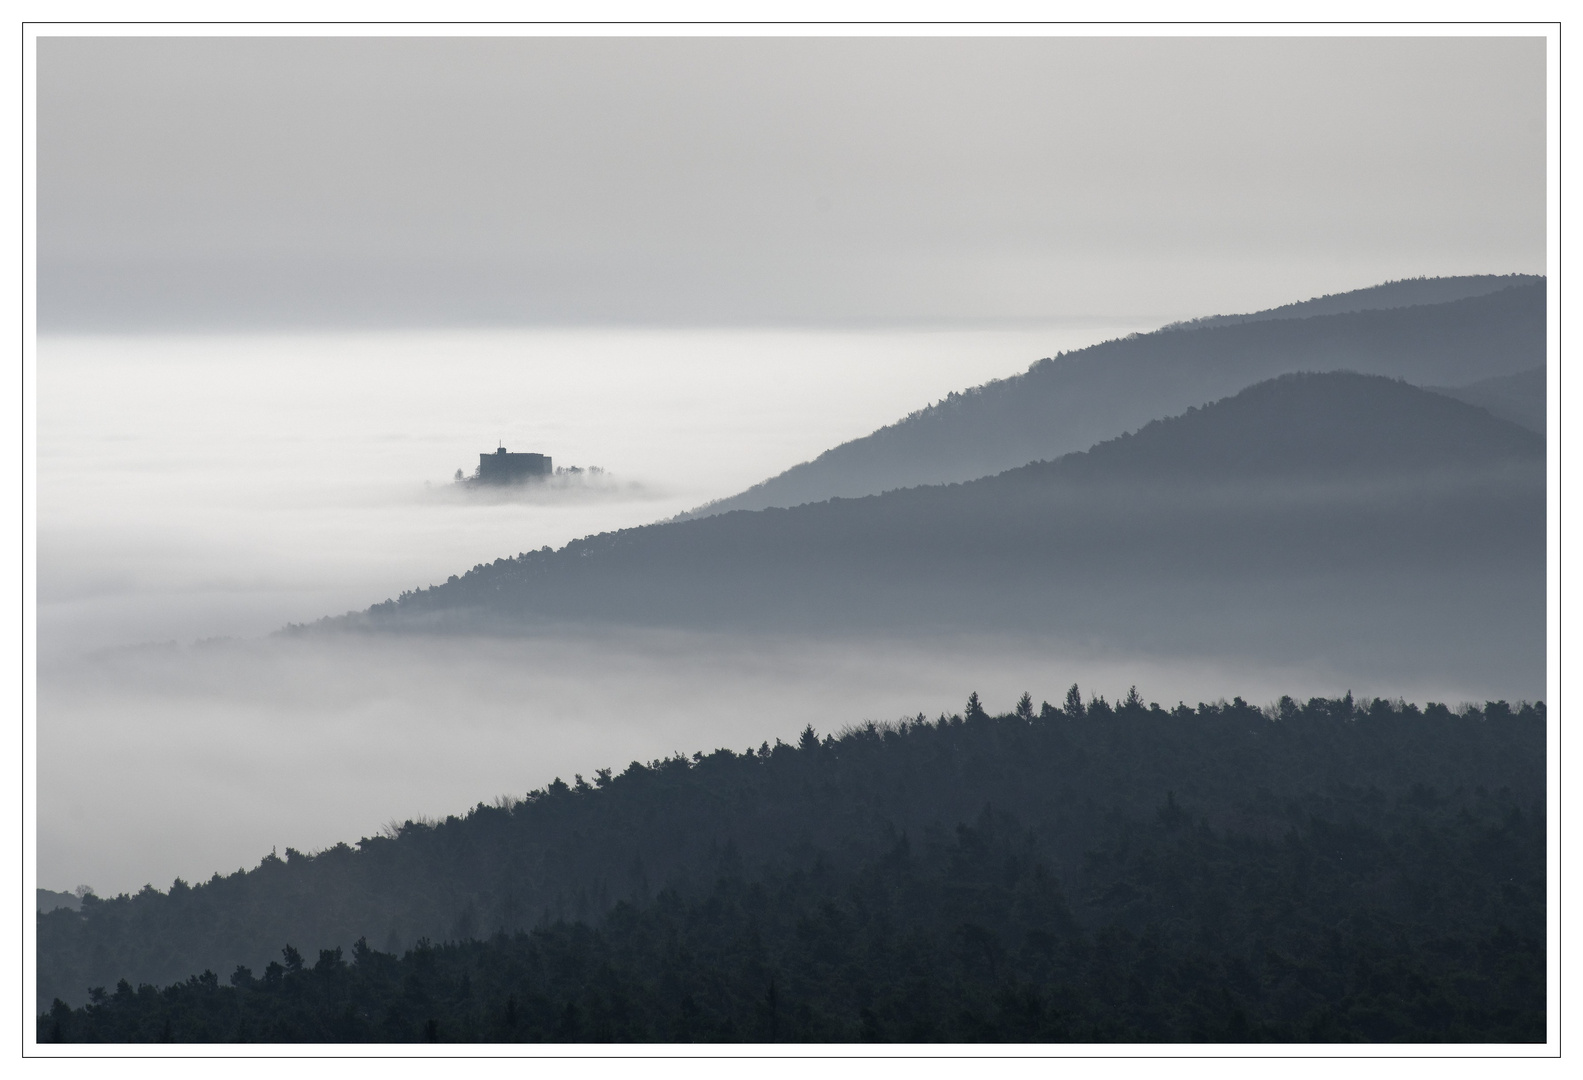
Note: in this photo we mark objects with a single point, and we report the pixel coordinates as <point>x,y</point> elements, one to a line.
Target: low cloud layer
<point>246,482</point>
<point>305,743</point>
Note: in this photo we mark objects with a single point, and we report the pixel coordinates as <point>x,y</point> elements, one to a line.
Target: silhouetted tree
<point>1074,702</point>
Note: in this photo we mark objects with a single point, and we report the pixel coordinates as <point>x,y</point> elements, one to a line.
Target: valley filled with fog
<point>194,488</point>
<point>186,760</point>
<point>202,486</point>
<point>199,494</point>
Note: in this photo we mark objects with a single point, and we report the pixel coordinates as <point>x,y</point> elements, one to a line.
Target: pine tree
<point>1074,702</point>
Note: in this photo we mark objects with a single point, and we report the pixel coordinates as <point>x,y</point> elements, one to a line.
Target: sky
<point>265,183</point>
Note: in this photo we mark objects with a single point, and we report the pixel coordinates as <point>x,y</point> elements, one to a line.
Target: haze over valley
<point>194,488</point>
<point>1174,573</point>
<point>1317,529</point>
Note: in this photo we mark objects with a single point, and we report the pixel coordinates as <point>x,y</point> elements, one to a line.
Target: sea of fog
<point>211,486</point>
<point>197,493</point>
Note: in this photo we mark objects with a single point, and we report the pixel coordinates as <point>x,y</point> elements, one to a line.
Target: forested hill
<point>1072,401</point>
<point>1338,870</point>
<point>1334,426</point>
<point>1408,529</point>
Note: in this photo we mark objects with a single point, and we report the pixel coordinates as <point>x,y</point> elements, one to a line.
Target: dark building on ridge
<point>505,468</point>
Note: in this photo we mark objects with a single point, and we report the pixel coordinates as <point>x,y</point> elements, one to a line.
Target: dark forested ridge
<point>1069,402</point>
<point>1408,528</point>
<point>1333,871</point>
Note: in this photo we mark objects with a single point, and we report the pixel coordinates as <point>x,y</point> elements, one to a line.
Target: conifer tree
<point>1074,702</point>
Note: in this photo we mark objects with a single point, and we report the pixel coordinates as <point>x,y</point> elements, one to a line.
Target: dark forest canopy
<point>1455,332</point>
<point>1334,871</point>
<point>1407,527</point>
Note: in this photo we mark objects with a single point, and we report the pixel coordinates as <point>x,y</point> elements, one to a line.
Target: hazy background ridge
<point>1386,528</point>
<point>1067,403</point>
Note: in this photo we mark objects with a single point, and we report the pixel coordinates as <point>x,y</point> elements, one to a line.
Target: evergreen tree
<point>1074,703</point>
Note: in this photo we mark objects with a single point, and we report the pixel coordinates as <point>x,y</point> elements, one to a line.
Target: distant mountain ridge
<point>1332,425</point>
<point>1519,398</point>
<point>1072,401</point>
<point>1407,527</point>
<point>49,900</point>
<point>1408,292</point>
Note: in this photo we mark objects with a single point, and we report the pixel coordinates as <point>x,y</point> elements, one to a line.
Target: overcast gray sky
<point>260,182</point>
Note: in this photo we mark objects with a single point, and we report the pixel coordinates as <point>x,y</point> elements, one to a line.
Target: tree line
<point>1337,870</point>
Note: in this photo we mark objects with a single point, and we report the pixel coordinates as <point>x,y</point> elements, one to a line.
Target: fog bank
<point>194,486</point>
<point>186,760</point>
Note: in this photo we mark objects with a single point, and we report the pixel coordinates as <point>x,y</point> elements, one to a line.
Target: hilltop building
<point>506,468</point>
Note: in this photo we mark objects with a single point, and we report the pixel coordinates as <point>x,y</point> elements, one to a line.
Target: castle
<point>505,468</point>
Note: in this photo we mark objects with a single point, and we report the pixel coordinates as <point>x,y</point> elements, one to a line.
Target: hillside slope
<point>1519,398</point>
<point>1274,853</point>
<point>1408,292</point>
<point>1069,402</point>
<point>1404,525</point>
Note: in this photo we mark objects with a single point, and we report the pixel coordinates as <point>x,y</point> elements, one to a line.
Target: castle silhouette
<point>502,467</point>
